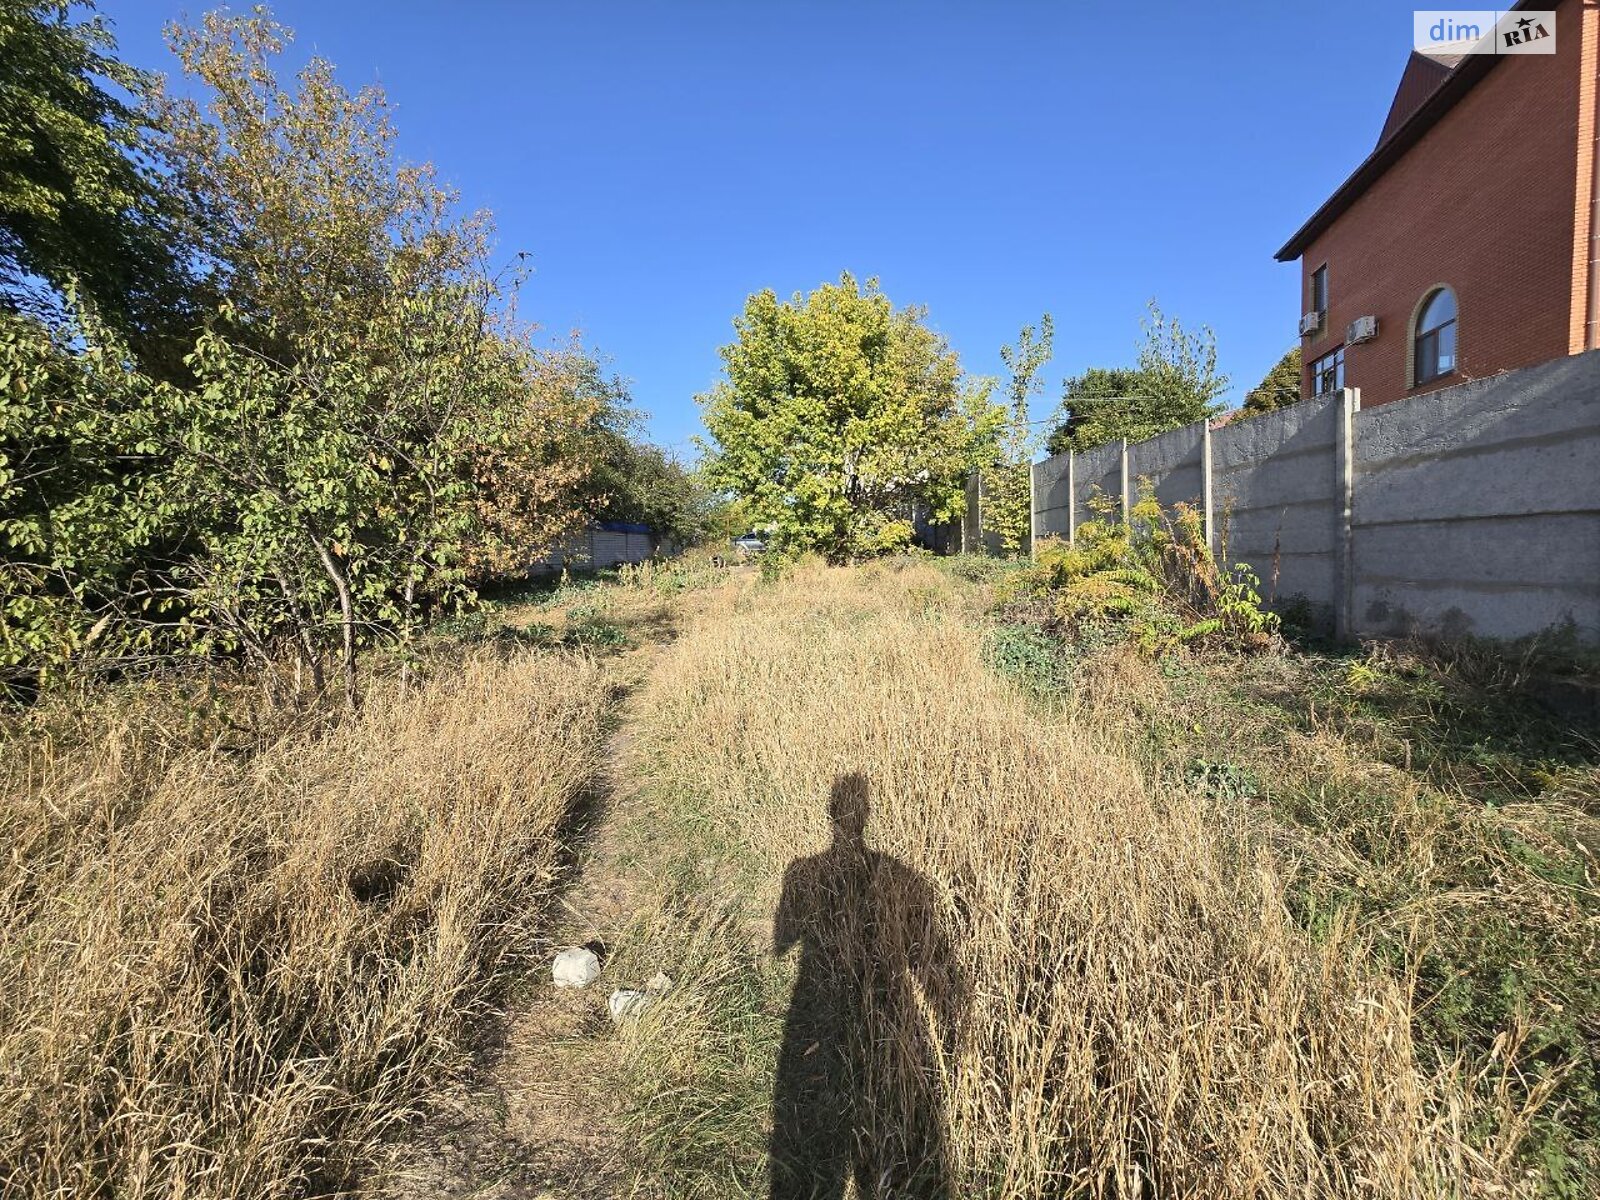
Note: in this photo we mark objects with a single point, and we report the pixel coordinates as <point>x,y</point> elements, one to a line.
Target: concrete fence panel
<point>1174,463</point>
<point>1052,496</point>
<point>1094,470</point>
<point>1477,508</point>
<point>1275,491</point>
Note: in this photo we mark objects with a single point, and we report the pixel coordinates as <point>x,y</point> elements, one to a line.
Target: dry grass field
<point>231,971</point>
<point>937,922</point>
<point>1043,972</point>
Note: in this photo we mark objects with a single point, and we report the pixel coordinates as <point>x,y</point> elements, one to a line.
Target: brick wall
<point>1586,238</point>
<point>1487,202</point>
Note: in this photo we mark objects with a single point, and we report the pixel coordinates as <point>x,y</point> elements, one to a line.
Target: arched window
<point>1435,347</point>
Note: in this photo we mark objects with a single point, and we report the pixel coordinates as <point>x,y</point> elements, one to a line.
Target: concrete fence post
<point>1127,504</point>
<point>1072,498</point>
<point>978,511</point>
<point>1207,498</point>
<point>977,508</point>
<point>1033,512</point>
<point>966,510</point>
<point>1344,505</point>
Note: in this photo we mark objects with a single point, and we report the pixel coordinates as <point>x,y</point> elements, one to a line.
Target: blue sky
<point>990,160</point>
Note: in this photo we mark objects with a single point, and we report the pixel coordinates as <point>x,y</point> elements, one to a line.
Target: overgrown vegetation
<point>1422,797</point>
<point>236,960</point>
<point>248,924</point>
<point>973,878</point>
<point>1124,1001</point>
<point>1152,577</point>
<point>1448,816</point>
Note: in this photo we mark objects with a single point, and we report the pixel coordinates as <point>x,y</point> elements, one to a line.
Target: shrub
<point>1027,655</point>
<point>1153,576</point>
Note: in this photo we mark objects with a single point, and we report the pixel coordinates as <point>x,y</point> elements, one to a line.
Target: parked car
<point>749,544</point>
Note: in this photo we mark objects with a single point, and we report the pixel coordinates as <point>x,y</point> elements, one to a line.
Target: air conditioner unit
<point>1362,329</point>
<point>1310,323</point>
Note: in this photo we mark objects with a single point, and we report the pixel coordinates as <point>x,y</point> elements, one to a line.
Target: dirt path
<point>531,1119</point>
<point>527,1121</point>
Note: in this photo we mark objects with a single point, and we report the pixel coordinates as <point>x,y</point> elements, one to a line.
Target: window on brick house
<point>1319,292</point>
<point>1327,373</point>
<point>1435,347</point>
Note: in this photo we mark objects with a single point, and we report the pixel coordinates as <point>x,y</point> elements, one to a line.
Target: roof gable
<point>1422,75</point>
<point>1424,95</point>
<point>1406,133</point>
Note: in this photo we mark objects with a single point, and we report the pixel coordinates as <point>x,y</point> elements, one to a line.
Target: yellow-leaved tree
<point>841,417</point>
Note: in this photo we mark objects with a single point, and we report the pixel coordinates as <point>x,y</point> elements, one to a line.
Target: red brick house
<point>1466,243</point>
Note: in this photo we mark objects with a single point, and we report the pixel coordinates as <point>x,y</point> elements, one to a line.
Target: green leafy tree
<point>839,416</point>
<point>1175,383</point>
<point>1007,491</point>
<point>1281,385</point>
<point>307,508</point>
<point>82,201</point>
<point>73,537</point>
<point>1082,399</point>
<point>341,459</point>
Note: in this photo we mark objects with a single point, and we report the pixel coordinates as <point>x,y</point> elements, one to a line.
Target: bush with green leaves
<point>300,509</point>
<point>1152,575</point>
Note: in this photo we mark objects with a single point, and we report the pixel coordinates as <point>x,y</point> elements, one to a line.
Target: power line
<point>1087,400</point>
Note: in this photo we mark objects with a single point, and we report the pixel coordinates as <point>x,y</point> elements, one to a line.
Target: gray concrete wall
<point>1052,496</point>
<point>1173,462</point>
<point>1274,500</point>
<point>1097,470</point>
<point>1476,510</point>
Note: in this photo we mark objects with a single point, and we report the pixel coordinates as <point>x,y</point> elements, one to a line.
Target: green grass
<point>1469,722</point>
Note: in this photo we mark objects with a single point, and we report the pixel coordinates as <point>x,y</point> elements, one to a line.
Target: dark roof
<point>1422,75</point>
<point>1398,135</point>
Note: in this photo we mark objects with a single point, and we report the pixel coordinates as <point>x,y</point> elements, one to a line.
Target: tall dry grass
<point>1139,1014</point>
<point>231,976</point>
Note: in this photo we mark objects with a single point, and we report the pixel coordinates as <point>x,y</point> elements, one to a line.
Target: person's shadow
<point>859,1090</point>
